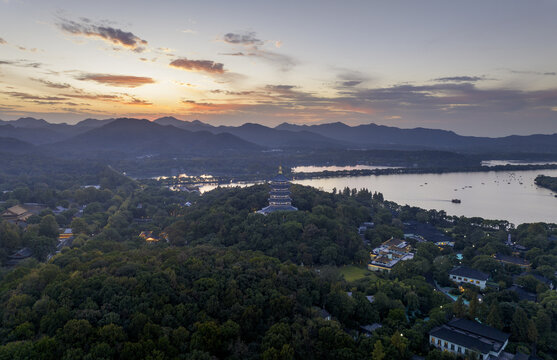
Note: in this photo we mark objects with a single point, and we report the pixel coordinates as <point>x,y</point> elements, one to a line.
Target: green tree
<point>48,227</point>
<point>494,317</point>
<point>519,325</point>
<point>378,351</point>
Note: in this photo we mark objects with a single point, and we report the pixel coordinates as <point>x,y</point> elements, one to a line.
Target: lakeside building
<point>465,337</point>
<point>466,275</point>
<point>279,196</point>
<point>388,254</point>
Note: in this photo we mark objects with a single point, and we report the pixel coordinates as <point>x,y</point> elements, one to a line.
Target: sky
<point>474,67</point>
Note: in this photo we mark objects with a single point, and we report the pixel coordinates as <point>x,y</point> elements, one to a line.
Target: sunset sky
<point>475,67</point>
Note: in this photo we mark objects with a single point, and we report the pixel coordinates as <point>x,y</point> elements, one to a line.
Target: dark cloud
<point>350,83</point>
<point>529,72</point>
<point>198,65</point>
<point>280,88</point>
<point>123,98</point>
<point>136,101</point>
<point>21,63</point>
<point>51,84</point>
<point>238,53</point>
<point>236,93</point>
<point>450,97</point>
<point>460,79</point>
<point>117,80</point>
<point>253,47</point>
<point>33,98</point>
<point>248,38</point>
<point>112,35</point>
<point>350,78</point>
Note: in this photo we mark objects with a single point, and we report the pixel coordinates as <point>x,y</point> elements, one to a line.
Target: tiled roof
<point>479,329</point>
<point>469,342</point>
<point>469,273</point>
<point>471,335</point>
<point>512,259</point>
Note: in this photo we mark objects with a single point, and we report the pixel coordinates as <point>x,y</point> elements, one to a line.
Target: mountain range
<point>168,135</point>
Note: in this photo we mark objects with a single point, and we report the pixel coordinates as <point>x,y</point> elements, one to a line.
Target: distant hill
<point>372,135</point>
<point>11,145</point>
<point>285,136</point>
<point>35,135</point>
<point>39,131</point>
<point>258,134</point>
<point>195,125</point>
<point>270,137</point>
<point>142,137</point>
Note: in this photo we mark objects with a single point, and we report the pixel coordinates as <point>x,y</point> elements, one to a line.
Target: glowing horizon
<point>473,68</point>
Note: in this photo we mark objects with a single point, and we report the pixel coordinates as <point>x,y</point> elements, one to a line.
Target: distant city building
<point>465,337</point>
<point>65,234</point>
<point>466,275</point>
<point>389,254</point>
<point>442,244</point>
<point>279,196</point>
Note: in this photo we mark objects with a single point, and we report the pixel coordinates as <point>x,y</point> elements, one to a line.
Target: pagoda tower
<point>279,196</point>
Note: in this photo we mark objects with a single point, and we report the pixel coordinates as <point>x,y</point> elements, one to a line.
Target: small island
<point>548,182</point>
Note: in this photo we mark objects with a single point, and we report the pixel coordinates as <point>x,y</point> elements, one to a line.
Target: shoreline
<point>226,180</point>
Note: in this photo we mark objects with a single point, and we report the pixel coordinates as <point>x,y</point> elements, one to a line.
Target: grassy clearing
<point>353,272</point>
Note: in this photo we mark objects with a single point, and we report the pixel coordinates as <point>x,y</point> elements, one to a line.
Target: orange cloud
<point>124,99</point>
<point>118,80</point>
<point>204,107</point>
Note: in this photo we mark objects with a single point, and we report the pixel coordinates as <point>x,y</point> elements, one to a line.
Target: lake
<point>498,195</point>
<point>501,195</point>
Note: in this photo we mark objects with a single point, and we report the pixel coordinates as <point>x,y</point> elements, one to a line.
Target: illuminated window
<point>477,281</point>
<point>433,340</point>
<point>446,344</point>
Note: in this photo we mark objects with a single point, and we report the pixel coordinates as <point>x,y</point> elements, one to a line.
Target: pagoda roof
<point>272,208</point>
<point>280,178</point>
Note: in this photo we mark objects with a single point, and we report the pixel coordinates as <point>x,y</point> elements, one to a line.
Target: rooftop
<point>512,260</point>
<point>469,273</point>
<point>471,335</point>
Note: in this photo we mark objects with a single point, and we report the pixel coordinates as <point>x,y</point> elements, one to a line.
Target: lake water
<point>511,196</point>
<point>314,169</point>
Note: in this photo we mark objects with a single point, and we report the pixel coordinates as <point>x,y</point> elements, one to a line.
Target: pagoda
<point>279,196</point>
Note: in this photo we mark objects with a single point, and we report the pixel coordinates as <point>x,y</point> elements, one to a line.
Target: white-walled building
<point>466,275</point>
<point>463,337</point>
